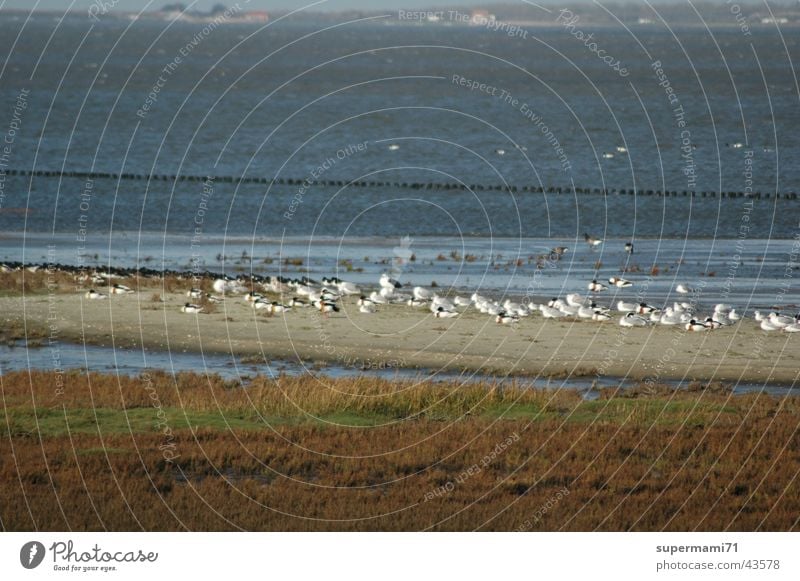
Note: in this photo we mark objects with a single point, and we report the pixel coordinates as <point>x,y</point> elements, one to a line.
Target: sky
<point>136,5</point>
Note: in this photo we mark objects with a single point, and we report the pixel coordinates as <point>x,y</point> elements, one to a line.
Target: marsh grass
<point>286,397</point>
<point>24,281</point>
<point>374,400</point>
<point>362,453</point>
<point>17,282</point>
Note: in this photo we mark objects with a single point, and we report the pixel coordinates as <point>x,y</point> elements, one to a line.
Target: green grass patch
<point>57,422</point>
<point>642,412</point>
<point>519,411</point>
<point>353,419</point>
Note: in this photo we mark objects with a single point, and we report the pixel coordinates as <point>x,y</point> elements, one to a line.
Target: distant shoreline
<point>312,17</point>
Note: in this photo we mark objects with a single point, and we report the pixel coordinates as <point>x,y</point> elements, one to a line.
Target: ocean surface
<point>701,109</point>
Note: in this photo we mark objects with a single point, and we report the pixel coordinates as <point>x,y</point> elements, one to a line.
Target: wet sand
<point>401,336</point>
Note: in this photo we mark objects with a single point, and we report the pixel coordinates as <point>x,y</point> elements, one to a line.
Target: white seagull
<point>378,298</point>
<point>121,289</point>
<point>348,288</point>
<point>550,312</point>
<point>422,294</point>
<point>768,325</point>
<point>462,302</point>
<point>633,320</point>
<point>781,320</point>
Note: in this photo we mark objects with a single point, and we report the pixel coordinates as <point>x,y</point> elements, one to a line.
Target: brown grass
<point>650,461</point>
<point>42,281</point>
<point>208,306</point>
<point>30,282</point>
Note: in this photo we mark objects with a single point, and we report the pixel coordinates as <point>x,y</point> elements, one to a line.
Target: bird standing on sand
<point>120,289</point>
<point>253,296</point>
<point>94,295</point>
<point>191,309</point>
<point>696,326</point>
<point>793,328</point>
<point>327,307</point>
<point>421,294</point>
<point>645,309</point>
<point>388,282</point>
<point>633,320</point>
<point>629,247</point>
<point>591,240</point>
<point>364,300</point>
<point>549,312</point>
<point>768,325</point>
<point>442,313</point>
<point>781,320</point>
<point>619,282</point>
<point>596,287</point>
<point>506,319</point>
<point>347,288</point>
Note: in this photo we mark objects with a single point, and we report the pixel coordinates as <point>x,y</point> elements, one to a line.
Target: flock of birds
<point>620,149</point>
<point>606,154</point>
<point>573,305</point>
<point>326,294</point>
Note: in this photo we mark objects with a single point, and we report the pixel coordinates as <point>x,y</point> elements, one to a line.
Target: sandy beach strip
<point>405,337</point>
